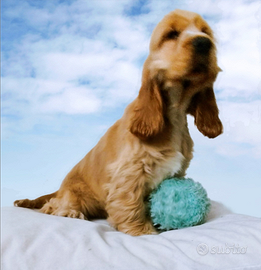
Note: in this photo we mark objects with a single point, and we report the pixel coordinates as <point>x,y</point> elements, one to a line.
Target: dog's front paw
<point>137,230</point>
<point>56,209</point>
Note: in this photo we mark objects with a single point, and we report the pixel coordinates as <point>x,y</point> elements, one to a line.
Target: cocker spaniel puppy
<point>151,141</point>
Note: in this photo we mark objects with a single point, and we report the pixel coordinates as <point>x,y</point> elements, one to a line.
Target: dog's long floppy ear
<point>147,118</point>
<point>204,108</point>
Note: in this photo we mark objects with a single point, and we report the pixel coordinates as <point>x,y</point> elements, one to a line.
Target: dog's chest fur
<point>153,164</point>
<point>155,161</point>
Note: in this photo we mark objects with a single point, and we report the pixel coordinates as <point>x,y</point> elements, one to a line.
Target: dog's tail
<point>37,203</point>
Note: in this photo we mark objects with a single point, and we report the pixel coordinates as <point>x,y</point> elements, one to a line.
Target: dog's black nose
<point>202,45</point>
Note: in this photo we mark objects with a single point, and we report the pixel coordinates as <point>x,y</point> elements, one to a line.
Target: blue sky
<point>69,68</point>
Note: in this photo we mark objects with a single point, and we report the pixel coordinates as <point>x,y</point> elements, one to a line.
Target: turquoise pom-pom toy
<point>178,203</point>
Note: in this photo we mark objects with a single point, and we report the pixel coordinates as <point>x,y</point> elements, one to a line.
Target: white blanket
<point>31,240</point>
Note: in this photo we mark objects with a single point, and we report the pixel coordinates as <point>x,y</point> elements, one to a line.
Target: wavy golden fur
<point>151,141</point>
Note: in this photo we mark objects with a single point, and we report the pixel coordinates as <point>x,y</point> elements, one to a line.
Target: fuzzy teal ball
<point>179,203</point>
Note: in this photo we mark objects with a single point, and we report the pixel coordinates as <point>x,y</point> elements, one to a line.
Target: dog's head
<point>183,46</point>
<point>182,59</point>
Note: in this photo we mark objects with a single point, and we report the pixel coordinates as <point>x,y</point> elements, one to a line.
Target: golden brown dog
<point>151,141</point>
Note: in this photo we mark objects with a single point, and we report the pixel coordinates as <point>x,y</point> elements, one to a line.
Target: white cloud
<point>242,125</point>
<point>72,101</point>
<point>67,57</point>
<point>239,52</point>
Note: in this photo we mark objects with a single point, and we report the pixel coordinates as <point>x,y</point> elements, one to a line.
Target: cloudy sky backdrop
<point>69,68</point>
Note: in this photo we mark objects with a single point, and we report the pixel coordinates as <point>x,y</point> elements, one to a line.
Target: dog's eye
<point>205,30</point>
<point>173,34</point>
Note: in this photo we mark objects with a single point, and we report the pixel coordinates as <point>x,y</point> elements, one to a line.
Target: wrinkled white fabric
<point>32,240</point>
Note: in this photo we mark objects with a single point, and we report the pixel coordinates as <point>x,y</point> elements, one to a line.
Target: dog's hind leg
<point>35,204</point>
